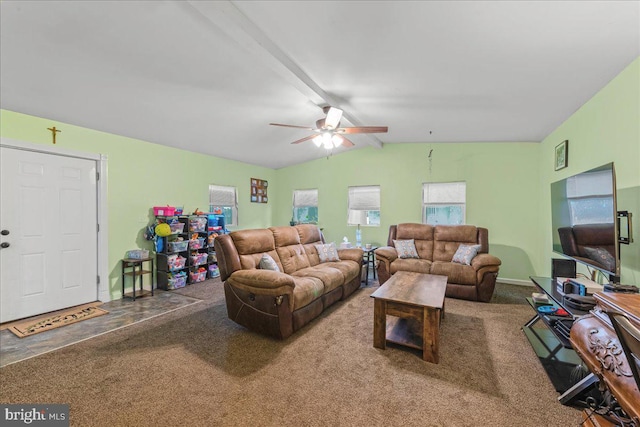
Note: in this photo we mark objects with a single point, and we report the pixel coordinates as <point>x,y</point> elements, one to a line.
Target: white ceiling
<point>209,76</point>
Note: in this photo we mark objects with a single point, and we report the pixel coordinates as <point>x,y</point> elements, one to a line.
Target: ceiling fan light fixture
<point>327,140</point>
<point>337,140</point>
<point>317,140</point>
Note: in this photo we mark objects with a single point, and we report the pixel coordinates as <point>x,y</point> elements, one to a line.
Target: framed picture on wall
<point>562,153</point>
<point>259,190</point>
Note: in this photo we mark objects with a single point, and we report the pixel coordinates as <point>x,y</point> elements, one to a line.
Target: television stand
<point>549,337</point>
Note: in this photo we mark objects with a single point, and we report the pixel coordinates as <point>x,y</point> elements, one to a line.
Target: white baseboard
<point>518,282</point>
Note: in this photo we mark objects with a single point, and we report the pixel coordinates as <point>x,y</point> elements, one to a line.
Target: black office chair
<point>629,337</point>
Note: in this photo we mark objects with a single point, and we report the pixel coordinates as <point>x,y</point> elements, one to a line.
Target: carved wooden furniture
<point>596,342</point>
<point>417,302</point>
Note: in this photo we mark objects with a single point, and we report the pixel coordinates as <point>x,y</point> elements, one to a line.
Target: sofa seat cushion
<point>457,273</point>
<point>306,290</point>
<point>414,265</point>
<point>349,269</point>
<point>331,277</point>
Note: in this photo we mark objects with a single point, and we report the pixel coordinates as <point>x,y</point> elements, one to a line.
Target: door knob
<point>4,245</point>
<point>4,232</point>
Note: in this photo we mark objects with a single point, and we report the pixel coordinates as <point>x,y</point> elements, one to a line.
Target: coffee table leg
<point>431,335</point>
<point>379,323</point>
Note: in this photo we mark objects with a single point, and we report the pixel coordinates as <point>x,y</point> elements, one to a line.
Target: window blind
<point>590,184</point>
<point>305,198</point>
<point>444,192</point>
<point>222,196</point>
<point>365,198</point>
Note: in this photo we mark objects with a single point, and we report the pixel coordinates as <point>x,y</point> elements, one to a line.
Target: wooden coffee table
<point>417,302</point>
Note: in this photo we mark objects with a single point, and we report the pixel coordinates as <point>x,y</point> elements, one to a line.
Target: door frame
<point>102,249</point>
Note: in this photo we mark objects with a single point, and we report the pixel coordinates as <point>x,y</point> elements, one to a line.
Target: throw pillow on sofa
<point>602,256</point>
<point>406,248</point>
<point>328,252</point>
<point>268,263</point>
<point>465,254</point>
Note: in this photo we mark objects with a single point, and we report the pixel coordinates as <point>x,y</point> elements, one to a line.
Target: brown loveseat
<point>436,246</point>
<point>592,243</point>
<point>279,303</point>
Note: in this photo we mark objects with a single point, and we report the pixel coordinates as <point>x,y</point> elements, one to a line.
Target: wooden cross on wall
<point>53,132</point>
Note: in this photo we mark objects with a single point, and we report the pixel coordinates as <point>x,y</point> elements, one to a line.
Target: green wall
<point>502,191</point>
<point>507,183</point>
<point>605,129</point>
<point>142,175</point>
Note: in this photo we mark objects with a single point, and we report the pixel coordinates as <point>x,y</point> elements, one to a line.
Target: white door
<point>48,218</point>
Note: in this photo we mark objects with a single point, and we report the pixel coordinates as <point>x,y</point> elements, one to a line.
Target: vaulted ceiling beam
<point>235,24</point>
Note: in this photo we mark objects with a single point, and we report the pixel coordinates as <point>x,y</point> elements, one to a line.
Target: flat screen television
<point>583,219</point>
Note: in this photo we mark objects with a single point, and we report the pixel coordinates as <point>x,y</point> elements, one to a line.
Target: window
<point>224,199</point>
<point>443,203</point>
<point>305,206</point>
<point>364,205</point>
<point>590,198</point>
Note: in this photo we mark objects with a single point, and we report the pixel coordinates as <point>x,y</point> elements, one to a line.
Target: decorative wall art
<point>562,153</point>
<point>259,190</point>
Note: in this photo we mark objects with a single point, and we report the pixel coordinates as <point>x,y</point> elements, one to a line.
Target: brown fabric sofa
<point>279,303</point>
<point>436,246</point>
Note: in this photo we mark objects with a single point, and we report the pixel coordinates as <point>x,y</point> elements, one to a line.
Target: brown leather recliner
<point>436,246</point>
<point>279,303</point>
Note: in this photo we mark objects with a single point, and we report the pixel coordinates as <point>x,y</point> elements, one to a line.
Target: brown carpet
<point>195,367</point>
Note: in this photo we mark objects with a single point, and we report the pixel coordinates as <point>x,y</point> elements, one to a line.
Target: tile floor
<point>122,313</point>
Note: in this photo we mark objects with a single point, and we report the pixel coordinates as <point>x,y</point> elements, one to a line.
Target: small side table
<point>133,268</point>
<point>369,259</point>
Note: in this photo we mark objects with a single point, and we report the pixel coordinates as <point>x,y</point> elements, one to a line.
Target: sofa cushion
<point>411,264</point>
<point>447,239</point>
<point>306,290</point>
<point>309,233</point>
<point>268,263</point>
<point>293,258</point>
<point>251,261</point>
<point>327,252</point>
<point>422,234</point>
<point>456,273</point>
<point>253,241</point>
<point>331,277</point>
<point>406,248</point>
<point>349,269</point>
<point>465,254</point>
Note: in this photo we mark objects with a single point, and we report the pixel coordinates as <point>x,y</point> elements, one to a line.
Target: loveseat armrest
<point>352,254</point>
<point>387,253</point>
<point>485,260</point>
<point>261,279</point>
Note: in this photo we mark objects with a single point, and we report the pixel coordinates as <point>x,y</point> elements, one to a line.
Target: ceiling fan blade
<point>306,138</point>
<point>333,118</point>
<point>291,126</point>
<point>346,142</point>
<point>363,129</point>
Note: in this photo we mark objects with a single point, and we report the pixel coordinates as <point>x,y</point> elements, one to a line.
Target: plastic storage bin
<point>176,262</point>
<point>198,259</point>
<point>198,224</point>
<point>197,276</point>
<point>197,243</point>
<point>178,246</point>
<point>164,210</point>
<point>138,254</point>
<point>214,271</point>
<point>177,227</point>
<point>176,282</point>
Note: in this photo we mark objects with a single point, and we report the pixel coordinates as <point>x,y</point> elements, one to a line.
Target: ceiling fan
<point>328,132</point>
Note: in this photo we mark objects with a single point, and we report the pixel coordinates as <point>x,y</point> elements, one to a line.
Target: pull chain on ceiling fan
<point>328,133</point>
